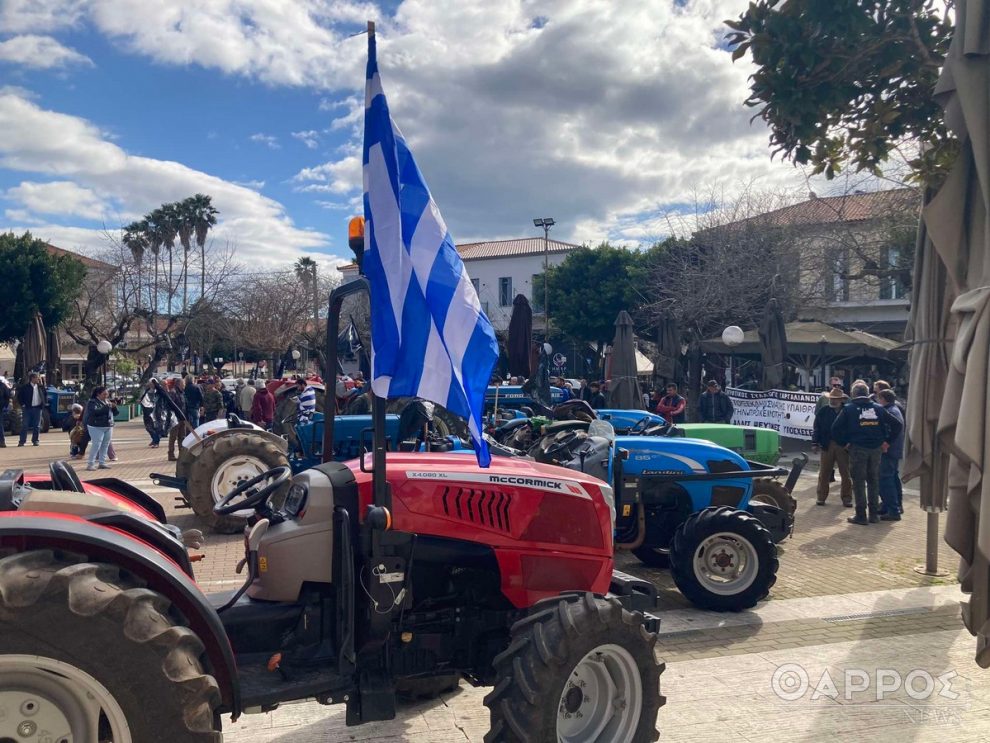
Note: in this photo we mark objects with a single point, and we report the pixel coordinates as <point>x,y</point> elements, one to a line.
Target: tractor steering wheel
<point>640,426</point>
<point>278,477</point>
<point>561,444</point>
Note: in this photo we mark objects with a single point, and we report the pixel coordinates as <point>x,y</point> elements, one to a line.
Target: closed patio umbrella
<point>956,224</point>
<point>623,391</point>
<point>53,357</point>
<point>520,337</point>
<point>34,346</point>
<point>668,349</point>
<point>773,345</point>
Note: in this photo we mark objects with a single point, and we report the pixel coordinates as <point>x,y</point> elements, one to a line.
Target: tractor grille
<point>487,508</point>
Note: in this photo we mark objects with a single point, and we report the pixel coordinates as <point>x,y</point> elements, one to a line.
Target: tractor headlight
<point>609,496</point>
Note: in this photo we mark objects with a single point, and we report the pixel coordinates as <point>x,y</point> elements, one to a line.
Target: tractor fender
<point>219,430</point>
<point>41,530</point>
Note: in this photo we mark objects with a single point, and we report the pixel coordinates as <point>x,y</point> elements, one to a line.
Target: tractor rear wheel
<point>723,559</point>
<point>89,654</point>
<point>579,668</point>
<point>13,420</point>
<point>771,492</point>
<point>224,464</point>
<point>46,421</point>
<point>652,557</point>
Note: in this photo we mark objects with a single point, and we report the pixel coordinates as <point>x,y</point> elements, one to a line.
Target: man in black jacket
<point>832,454</point>
<point>4,402</point>
<point>714,406</point>
<point>32,398</point>
<point>866,429</point>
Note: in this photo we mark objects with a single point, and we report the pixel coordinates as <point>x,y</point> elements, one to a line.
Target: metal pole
<point>546,270</point>
<point>931,545</point>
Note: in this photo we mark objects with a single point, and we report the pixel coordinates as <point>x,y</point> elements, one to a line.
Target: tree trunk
<point>202,270</point>
<point>170,284</point>
<point>93,368</point>
<point>185,280</point>
<point>160,353</point>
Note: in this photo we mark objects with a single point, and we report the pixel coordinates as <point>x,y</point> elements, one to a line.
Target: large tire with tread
<point>723,559</point>
<point>652,557</point>
<point>46,421</point>
<point>102,621</point>
<point>547,652</point>
<point>260,454</point>
<point>769,491</point>
<point>13,419</point>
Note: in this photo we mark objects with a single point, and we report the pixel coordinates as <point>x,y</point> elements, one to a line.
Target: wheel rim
<point>726,563</point>
<point>602,699</point>
<point>47,699</point>
<point>231,473</point>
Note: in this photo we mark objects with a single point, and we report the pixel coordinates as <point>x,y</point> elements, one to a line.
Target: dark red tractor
<point>364,580</point>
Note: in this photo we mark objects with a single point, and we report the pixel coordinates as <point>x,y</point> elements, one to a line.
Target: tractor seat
<point>64,477</point>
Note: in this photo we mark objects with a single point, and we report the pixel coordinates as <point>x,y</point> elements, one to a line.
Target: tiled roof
<point>854,207</point>
<point>502,249</point>
<point>85,260</point>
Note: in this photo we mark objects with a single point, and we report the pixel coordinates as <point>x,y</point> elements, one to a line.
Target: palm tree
<point>184,228</point>
<point>203,217</point>
<point>136,241</point>
<point>166,221</point>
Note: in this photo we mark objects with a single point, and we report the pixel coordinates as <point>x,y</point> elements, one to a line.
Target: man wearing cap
<point>832,455</point>
<point>714,406</point>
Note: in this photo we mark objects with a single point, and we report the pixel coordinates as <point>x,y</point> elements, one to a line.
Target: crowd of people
<point>862,435</point>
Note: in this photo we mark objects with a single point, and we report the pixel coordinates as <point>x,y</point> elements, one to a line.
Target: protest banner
<point>792,414</point>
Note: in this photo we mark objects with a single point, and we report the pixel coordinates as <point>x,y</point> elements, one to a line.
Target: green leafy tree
<point>589,289</point>
<point>849,81</point>
<point>35,281</point>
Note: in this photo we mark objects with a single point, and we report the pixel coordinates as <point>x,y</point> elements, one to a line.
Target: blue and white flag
<point>429,336</point>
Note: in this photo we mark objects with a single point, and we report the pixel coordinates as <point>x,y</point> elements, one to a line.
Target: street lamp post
<point>546,223</point>
<point>104,347</point>
<point>732,336</point>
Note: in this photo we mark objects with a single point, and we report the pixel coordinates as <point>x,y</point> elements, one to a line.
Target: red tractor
<point>363,580</point>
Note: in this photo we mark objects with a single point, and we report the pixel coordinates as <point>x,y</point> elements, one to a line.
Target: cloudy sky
<point>605,115</point>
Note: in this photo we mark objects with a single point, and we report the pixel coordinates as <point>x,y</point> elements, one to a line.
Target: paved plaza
<point>852,644</point>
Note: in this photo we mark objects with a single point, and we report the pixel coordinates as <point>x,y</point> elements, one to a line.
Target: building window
<point>892,283</point>
<point>505,291</point>
<point>477,286</point>
<point>537,292</point>
<point>838,281</point>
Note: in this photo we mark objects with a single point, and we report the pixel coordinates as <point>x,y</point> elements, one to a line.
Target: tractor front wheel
<point>723,559</point>
<point>89,654</point>
<point>579,668</point>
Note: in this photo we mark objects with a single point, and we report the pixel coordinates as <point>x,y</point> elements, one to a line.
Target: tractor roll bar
<point>382,497</point>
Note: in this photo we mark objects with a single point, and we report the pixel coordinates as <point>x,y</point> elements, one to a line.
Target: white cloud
<point>54,144</point>
<point>40,52</point>
<point>600,114</point>
<point>255,185</point>
<point>266,139</point>
<point>58,197</point>
<point>310,138</point>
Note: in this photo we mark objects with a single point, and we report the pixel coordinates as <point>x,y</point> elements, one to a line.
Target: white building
<point>501,269</point>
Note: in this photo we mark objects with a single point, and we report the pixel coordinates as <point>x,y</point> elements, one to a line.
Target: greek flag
<point>429,337</point>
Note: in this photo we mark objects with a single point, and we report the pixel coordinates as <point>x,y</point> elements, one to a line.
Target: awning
<point>807,339</point>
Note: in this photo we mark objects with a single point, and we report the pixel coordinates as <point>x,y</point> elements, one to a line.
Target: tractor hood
<point>650,455</point>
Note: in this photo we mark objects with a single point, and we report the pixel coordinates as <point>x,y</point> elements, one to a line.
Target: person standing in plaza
<point>193,399</point>
<point>831,453</point>
<point>212,401</point>
<point>151,410</point>
<point>178,431</point>
<point>823,399</point>
<point>32,397</point>
<point>714,405</point>
<point>671,406</point>
<point>263,406</point>
<point>98,419</point>
<point>867,430</point>
<point>891,492</point>
<point>244,399</point>
<point>597,400</point>
<point>4,403</point>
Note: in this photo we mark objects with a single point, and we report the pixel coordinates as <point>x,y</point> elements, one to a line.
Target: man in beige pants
<point>832,455</point>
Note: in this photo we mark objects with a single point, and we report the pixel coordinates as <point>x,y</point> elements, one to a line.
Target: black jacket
<point>4,396</point>
<point>194,397</point>
<point>824,418</point>
<point>98,413</point>
<point>864,423</point>
<point>26,391</point>
<point>715,408</point>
